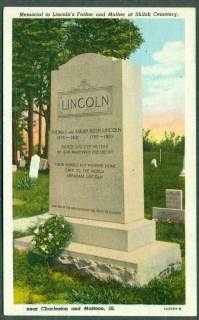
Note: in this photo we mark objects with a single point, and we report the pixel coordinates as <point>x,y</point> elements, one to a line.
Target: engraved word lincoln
<point>98,101</point>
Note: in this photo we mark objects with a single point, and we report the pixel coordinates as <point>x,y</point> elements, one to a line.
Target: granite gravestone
<point>96,170</point>
<point>34,167</point>
<point>173,213</point>
<point>43,164</point>
<point>173,198</point>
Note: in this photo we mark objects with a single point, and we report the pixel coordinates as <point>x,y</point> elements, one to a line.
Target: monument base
<point>117,236</point>
<point>169,215</point>
<point>135,268</point>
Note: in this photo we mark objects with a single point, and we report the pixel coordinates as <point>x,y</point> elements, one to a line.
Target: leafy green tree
<point>41,45</point>
<point>170,143</point>
<point>110,37</point>
<point>149,144</point>
<point>36,49</point>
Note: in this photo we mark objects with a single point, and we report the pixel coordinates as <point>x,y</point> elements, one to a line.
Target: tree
<point>36,47</point>
<point>110,37</point>
<point>148,143</point>
<point>41,45</point>
<point>170,143</point>
<point>24,74</point>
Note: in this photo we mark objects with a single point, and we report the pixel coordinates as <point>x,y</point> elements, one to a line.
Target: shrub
<point>52,237</point>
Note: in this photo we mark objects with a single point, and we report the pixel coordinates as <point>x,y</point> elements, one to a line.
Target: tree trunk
<point>14,141</point>
<point>40,132</point>
<point>30,128</point>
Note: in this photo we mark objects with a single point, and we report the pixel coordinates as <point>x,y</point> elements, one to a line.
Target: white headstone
<point>22,163</point>
<point>154,163</point>
<point>14,168</point>
<point>182,173</point>
<point>34,167</point>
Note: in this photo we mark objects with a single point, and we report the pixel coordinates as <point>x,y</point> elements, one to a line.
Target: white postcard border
<point>189,309</point>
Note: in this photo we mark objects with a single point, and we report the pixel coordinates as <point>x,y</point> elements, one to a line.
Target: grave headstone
<point>14,168</point>
<point>182,174</point>
<point>22,163</point>
<point>173,199</point>
<point>96,171</point>
<point>168,215</point>
<point>173,213</point>
<point>43,165</point>
<point>34,167</point>
<point>154,163</point>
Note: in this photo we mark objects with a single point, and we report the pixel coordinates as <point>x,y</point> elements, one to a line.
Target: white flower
<point>62,225</point>
<point>36,231</point>
<point>43,248</point>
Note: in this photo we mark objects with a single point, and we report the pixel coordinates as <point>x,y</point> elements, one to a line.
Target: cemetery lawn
<point>37,282</point>
<point>33,201</point>
<point>156,180</point>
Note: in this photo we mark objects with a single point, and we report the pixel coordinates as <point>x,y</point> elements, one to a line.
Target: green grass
<point>18,202</point>
<point>35,200</point>
<point>171,233</point>
<point>156,180</point>
<point>36,282</point>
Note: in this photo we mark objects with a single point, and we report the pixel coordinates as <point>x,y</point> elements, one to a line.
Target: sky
<point>161,57</point>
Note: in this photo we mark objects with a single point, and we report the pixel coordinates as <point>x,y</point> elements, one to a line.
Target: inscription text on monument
<point>81,102</point>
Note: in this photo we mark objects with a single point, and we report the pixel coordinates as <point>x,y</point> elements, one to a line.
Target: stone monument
<point>96,171</point>
<point>173,213</point>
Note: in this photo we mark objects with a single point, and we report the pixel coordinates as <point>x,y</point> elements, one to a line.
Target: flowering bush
<point>51,237</point>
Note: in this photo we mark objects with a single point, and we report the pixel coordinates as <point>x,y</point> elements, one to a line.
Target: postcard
<point>99,120</point>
